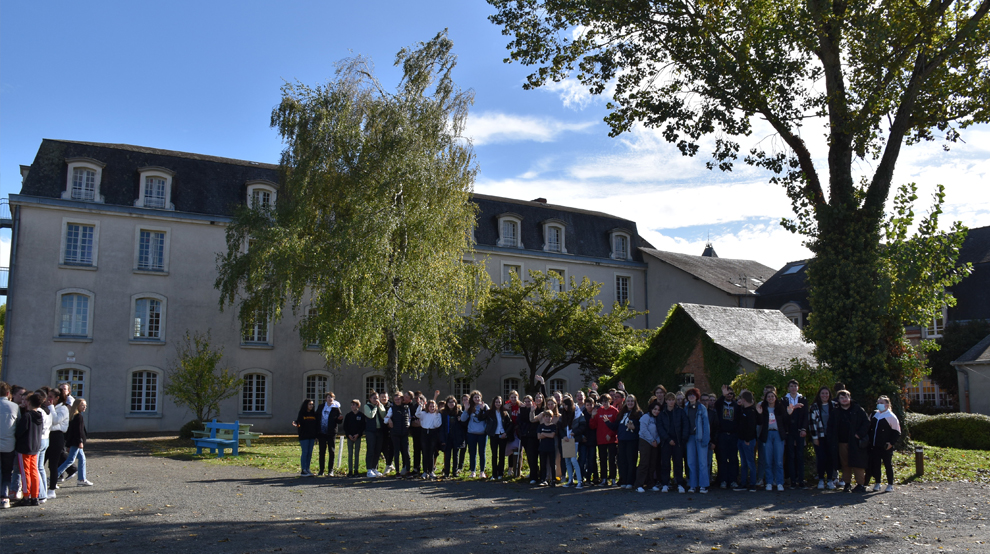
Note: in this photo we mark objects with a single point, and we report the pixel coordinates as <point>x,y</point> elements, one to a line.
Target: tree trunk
<point>392,365</point>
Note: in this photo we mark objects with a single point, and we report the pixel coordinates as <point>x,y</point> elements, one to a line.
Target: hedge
<point>958,430</point>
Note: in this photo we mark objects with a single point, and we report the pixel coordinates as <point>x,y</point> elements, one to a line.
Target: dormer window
<point>261,194</point>
<point>553,236</point>
<point>620,244</point>
<point>509,228</point>
<point>83,180</point>
<point>156,188</point>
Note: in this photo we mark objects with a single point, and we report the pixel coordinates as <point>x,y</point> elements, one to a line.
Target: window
<point>312,341</point>
<point>794,269</point>
<point>155,188</point>
<point>556,385</point>
<point>509,231</point>
<point>75,314</point>
<point>687,380</point>
<point>509,270</point>
<point>620,245</point>
<point>557,279</point>
<point>148,322</point>
<point>256,330</point>
<point>75,377</point>
<point>317,386</point>
<point>83,180</point>
<point>929,393</point>
<point>622,289</point>
<point>553,236</point>
<point>462,386</point>
<point>261,194</point>
<point>152,250</point>
<point>79,243</point>
<point>144,392</point>
<point>792,311</point>
<point>254,393</point>
<point>154,192</point>
<point>375,383</point>
<point>509,385</point>
<point>936,326</point>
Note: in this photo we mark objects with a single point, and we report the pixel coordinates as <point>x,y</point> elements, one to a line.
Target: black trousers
<point>532,447</point>
<point>606,460</point>
<point>416,434</point>
<point>387,449</point>
<point>55,455</point>
<point>453,455</point>
<point>670,454</point>
<point>550,472</point>
<point>628,455</point>
<point>326,444</point>
<point>498,455</point>
<point>429,440</point>
<point>880,456</point>
<point>400,447</point>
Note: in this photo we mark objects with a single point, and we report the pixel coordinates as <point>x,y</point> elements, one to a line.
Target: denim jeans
<point>374,440</point>
<point>628,454</point>
<point>306,445</point>
<point>747,455</point>
<point>699,462</point>
<point>587,461</point>
<point>42,475</point>
<point>474,441</point>
<point>774,449</point>
<point>75,454</point>
<point>572,470</point>
<point>761,456</point>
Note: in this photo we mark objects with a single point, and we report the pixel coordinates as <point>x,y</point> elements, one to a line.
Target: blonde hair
<point>75,407</point>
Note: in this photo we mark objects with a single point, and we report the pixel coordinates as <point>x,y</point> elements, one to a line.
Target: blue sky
<point>203,77</point>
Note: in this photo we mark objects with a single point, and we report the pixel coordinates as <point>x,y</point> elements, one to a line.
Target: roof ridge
<point>173,153</point>
<point>554,206</point>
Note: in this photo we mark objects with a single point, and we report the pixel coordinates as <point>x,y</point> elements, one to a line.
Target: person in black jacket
<point>852,428</point>
<point>501,432</point>
<point>354,429</point>
<point>452,436</point>
<point>885,431</point>
<point>27,445</point>
<point>746,431</point>
<point>398,418</point>
<point>308,427</point>
<point>588,445</point>
<point>75,439</point>
<point>774,420</point>
<point>673,428</point>
<point>528,429</point>
<point>329,416</point>
<point>727,447</point>
<point>796,433</point>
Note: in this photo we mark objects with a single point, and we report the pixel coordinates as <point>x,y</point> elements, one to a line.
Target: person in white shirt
<point>56,438</point>
<point>9,414</point>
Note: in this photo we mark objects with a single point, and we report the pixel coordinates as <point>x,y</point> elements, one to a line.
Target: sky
<point>204,76</point>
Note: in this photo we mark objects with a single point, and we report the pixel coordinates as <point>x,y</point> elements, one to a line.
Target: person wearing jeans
<point>308,427</point>
<point>746,431</point>
<point>774,423</point>
<point>476,416</point>
<point>698,454</point>
<point>75,439</point>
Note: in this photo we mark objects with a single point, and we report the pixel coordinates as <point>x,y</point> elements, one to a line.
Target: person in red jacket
<point>606,423</point>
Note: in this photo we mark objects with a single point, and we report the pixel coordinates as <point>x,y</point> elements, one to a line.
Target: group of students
<point>592,439</point>
<point>38,429</point>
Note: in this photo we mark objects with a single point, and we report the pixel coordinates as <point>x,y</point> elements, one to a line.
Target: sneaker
<point>320,474</point>
<point>733,485</point>
<point>532,481</point>
<point>691,490</point>
<point>578,486</point>
<point>543,483</point>
<point>821,485</point>
<point>85,483</point>
<point>721,485</point>
<point>780,488</point>
<point>655,489</point>
<point>4,503</point>
<point>859,488</point>
<point>474,474</point>
<point>847,487</point>
<point>830,485</point>
<point>890,488</point>
<point>483,476</point>
<point>752,488</point>
<point>703,490</point>
<point>389,469</point>
<point>840,483</point>
<point>769,487</point>
<point>40,501</point>
<point>51,495</point>
<point>665,489</point>
<point>372,473</point>
<point>760,483</point>
<point>640,489</point>
<point>740,489</point>
<point>566,485</point>
<point>680,489</point>
<point>876,488</point>
<point>19,495</point>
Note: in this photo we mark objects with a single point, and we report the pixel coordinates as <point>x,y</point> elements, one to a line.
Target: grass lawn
<point>282,454</point>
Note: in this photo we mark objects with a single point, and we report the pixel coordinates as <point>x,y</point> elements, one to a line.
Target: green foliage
<point>554,329</point>
<point>957,430</point>
<point>373,218</point>
<point>956,339</point>
<point>809,377</point>
<point>195,379</point>
<point>186,431</point>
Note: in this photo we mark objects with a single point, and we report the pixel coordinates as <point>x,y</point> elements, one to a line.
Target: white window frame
<point>629,286</point>
<point>88,337</point>
<point>159,385</point>
<point>267,343</point>
<point>137,249</point>
<point>561,385</point>
<point>792,311</point>
<point>266,412</point>
<point>317,373</point>
<point>559,225</point>
<point>463,381</point>
<point>506,389</point>
<point>84,163</point>
<point>134,339</point>
<point>374,375</point>
<point>95,224</point>
<point>562,282</point>
<point>83,383</point>
<point>936,326</point>
<point>503,242</point>
<point>615,254</point>
<point>502,275</point>
<point>266,186</point>
<point>154,172</point>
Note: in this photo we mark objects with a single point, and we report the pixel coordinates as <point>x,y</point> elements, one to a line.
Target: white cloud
<point>5,252</point>
<point>493,127</point>
<point>573,94</point>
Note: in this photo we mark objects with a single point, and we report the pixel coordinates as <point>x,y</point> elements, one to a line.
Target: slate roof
<point>973,293</point>
<point>787,285</point>
<point>723,273</point>
<point>978,355</point>
<point>764,337</point>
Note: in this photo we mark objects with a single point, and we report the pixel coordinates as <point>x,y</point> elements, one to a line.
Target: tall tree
<point>879,74</point>
<point>552,328</point>
<point>373,217</point>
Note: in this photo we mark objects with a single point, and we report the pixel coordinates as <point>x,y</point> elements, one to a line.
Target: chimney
<point>540,200</point>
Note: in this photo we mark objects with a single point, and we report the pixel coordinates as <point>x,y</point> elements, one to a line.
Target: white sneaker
<point>19,495</point>
<point>703,490</point>
<point>665,489</point>
<point>655,489</point>
<point>640,489</point>
<point>830,485</point>
<point>821,485</point>
<point>372,473</point>
<point>890,488</point>
<point>85,483</point>
<point>680,489</point>
<point>51,495</point>
<point>780,488</point>
<point>769,487</point>
<point>876,488</point>
<point>734,485</point>
<point>691,490</point>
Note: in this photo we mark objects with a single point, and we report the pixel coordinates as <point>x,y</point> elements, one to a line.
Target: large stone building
<point>113,260</point>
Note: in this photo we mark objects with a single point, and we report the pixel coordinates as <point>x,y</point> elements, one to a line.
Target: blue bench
<point>218,444</point>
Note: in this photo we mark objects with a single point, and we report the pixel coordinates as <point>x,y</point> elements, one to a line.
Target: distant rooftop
<point>738,277</point>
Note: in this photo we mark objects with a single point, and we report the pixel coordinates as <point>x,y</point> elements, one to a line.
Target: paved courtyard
<point>149,504</point>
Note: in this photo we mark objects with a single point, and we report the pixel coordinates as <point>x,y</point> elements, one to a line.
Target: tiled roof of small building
<point>978,355</point>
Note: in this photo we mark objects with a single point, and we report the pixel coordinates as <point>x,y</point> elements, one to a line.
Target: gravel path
<point>155,504</point>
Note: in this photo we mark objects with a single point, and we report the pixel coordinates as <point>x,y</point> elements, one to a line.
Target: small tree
<point>195,378</point>
<point>553,329</point>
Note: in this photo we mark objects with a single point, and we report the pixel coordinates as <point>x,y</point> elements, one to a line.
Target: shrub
<point>186,431</point>
<point>809,377</point>
<point>958,430</point>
